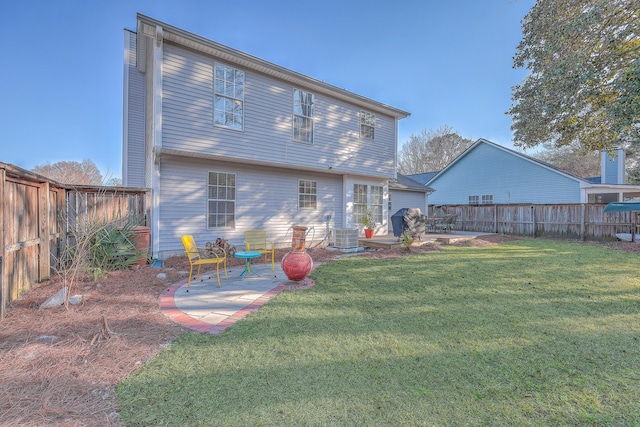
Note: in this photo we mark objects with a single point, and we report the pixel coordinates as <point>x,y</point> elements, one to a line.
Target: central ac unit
<point>344,238</point>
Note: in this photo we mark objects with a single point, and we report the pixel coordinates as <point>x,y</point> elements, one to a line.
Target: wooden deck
<point>389,241</point>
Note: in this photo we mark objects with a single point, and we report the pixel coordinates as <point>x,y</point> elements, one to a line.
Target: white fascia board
<point>193,41</point>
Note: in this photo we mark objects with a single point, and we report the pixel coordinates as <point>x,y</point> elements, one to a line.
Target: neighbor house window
<point>303,113</point>
<point>474,200</point>
<point>359,202</point>
<point>222,200</point>
<point>487,199</point>
<point>307,194</point>
<point>229,97</point>
<point>367,124</point>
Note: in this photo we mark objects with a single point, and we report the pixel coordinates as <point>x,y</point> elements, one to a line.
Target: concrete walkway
<point>205,307</point>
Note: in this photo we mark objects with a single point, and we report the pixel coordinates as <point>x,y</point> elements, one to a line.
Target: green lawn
<point>532,332</point>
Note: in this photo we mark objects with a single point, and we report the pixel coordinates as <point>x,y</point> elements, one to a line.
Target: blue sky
<point>447,62</point>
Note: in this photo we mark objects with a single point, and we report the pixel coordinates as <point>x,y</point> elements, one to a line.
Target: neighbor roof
<point>516,153</point>
<point>405,183</point>
<point>423,178</point>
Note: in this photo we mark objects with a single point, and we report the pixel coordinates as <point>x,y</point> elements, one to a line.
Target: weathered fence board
<point>36,215</point>
<point>571,221</point>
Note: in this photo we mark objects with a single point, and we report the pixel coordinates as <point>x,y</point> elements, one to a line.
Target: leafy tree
<point>571,158</point>
<point>632,165</point>
<point>584,84</point>
<point>75,173</point>
<point>431,150</point>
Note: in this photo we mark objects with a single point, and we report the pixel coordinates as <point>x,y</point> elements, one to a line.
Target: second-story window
<point>367,124</point>
<point>229,97</point>
<point>303,113</point>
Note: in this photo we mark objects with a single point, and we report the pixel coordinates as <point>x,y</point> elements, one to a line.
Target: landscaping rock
<point>76,299</point>
<point>57,299</point>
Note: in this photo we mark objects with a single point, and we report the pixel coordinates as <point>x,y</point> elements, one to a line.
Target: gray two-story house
<point>229,142</point>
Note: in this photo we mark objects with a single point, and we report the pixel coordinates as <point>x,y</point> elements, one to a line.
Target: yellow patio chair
<point>193,254</point>
<point>256,240</point>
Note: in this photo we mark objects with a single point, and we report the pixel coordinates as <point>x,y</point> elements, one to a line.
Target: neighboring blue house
<point>488,173</point>
<point>228,142</point>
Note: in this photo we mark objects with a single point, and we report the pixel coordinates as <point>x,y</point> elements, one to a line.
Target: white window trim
<point>357,216</point>
<point>215,94</point>
<point>308,194</point>
<point>376,219</point>
<point>379,220</point>
<point>363,116</point>
<point>235,198</point>
<point>294,115</point>
<point>484,199</point>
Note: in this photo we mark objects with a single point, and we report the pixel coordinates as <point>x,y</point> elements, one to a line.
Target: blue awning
<point>622,206</point>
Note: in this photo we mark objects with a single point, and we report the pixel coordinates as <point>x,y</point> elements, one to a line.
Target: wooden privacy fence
<point>571,221</point>
<point>36,215</point>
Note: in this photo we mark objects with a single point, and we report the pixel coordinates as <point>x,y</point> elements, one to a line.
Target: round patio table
<point>248,256</point>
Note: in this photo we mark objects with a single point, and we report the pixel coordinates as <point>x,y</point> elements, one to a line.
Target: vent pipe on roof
<point>612,167</point>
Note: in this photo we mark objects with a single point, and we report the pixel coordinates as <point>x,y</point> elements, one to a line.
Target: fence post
<point>495,218</point>
<point>4,286</point>
<point>44,250</point>
<point>534,224</point>
<point>583,214</point>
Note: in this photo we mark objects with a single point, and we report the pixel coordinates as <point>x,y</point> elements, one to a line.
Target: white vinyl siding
<point>133,173</point>
<point>266,198</point>
<point>490,170</point>
<point>406,199</point>
<point>188,122</point>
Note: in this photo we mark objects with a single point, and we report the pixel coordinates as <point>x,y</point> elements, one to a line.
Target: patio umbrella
<point>623,207</point>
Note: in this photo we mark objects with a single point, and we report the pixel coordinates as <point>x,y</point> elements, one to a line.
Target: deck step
<point>383,244</point>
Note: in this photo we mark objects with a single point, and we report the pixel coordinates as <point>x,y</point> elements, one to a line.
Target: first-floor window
<point>221,200</point>
<point>474,200</point>
<point>487,199</point>
<point>368,197</point>
<point>359,202</point>
<point>377,198</point>
<point>307,194</point>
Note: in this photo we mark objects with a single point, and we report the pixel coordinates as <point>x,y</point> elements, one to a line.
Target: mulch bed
<point>59,366</point>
